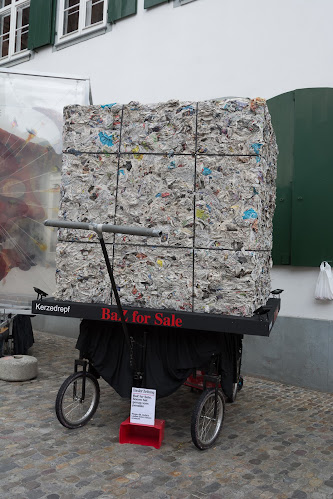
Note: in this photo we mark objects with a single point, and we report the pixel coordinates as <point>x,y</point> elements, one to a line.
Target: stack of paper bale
<point>202,173</point>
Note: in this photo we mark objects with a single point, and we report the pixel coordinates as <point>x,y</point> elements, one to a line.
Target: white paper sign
<point>143,403</point>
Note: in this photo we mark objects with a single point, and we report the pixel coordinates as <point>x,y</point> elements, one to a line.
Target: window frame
<point>13,9</point>
<point>83,30</point>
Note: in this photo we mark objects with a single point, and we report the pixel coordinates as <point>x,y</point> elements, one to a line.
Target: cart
<point>153,348</point>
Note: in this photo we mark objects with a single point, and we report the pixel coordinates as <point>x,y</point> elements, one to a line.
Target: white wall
<point>297,299</point>
<point>202,50</point>
<point>207,49</point>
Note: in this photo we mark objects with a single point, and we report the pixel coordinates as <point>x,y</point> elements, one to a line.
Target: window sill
<point>16,59</point>
<point>69,40</point>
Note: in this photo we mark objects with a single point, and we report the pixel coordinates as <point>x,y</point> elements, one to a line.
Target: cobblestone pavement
<point>276,442</point>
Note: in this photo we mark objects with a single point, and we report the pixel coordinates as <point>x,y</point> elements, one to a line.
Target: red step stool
<point>141,434</point>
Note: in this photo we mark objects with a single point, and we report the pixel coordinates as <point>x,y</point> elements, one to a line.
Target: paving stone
<point>7,467</point>
<point>35,494</point>
<point>213,487</point>
<point>299,494</point>
<point>93,494</point>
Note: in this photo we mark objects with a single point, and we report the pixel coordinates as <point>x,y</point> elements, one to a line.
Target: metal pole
<point>116,229</point>
<point>114,289</point>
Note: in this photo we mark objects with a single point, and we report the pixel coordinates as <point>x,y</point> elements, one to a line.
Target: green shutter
<point>41,23</point>
<point>152,3</point>
<point>312,232</point>
<point>121,8</point>
<point>282,110</point>
<point>303,123</point>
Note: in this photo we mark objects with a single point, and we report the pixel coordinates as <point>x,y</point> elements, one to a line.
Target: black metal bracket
<point>40,293</point>
<point>216,379</point>
<point>80,362</point>
<point>84,364</point>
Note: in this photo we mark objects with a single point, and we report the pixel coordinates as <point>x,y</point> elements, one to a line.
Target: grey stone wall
<point>298,352</point>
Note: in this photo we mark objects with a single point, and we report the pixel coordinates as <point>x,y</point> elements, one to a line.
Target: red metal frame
<point>196,381</point>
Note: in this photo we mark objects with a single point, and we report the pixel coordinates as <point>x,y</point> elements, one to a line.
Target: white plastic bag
<point>324,286</point>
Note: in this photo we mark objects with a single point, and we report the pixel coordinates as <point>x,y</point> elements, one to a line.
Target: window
<point>77,17</point>
<point>14,28</point>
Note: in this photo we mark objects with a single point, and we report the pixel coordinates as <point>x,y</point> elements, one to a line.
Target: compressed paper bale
<point>230,282</point>
<point>92,128</point>
<point>157,128</point>
<point>154,277</point>
<point>233,126</point>
<point>232,207</point>
<point>236,303</point>
<point>81,274</point>
<point>88,193</point>
<point>231,270</point>
<point>157,192</point>
<point>235,201</point>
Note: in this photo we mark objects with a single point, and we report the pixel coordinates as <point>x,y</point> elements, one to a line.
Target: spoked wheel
<point>77,400</point>
<point>206,422</point>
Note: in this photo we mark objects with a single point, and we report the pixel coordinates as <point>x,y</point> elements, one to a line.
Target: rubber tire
<point>197,413</point>
<point>60,398</point>
<point>234,393</point>
<point>236,387</point>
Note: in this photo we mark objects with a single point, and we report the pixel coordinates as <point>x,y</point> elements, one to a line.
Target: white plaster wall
<point>202,50</point>
<point>207,49</point>
<point>297,299</point>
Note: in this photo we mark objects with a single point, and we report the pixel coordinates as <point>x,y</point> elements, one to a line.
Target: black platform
<point>259,324</point>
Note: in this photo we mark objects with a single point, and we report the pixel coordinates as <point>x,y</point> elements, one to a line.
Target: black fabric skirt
<point>166,356</point>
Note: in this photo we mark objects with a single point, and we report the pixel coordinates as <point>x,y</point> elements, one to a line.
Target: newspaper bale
<point>159,128</point>
<point>81,275</point>
<point>92,128</point>
<point>202,173</point>
<point>146,276</point>
<point>230,282</point>
<point>157,191</point>
<point>154,276</point>
<point>235,200</point>
<point>234,126</point>
<point>88,193</point>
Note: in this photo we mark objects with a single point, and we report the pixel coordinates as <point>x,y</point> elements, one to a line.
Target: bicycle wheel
<point>205,427</point>
<point>77,401</point>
